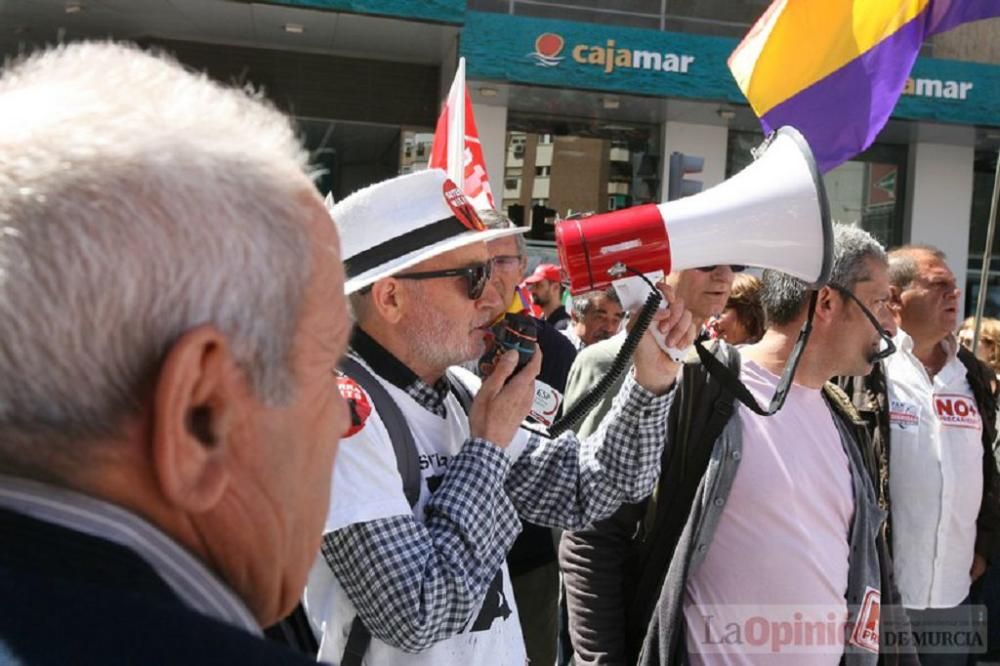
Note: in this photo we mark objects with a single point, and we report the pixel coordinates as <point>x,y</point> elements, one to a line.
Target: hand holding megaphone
<point>672,328</point>
<point>504,399</point>
<point>632,293</point>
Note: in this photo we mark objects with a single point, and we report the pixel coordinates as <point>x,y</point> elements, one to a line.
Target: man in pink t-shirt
<point>776,556</point>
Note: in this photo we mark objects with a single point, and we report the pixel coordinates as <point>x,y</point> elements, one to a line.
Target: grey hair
<point>137,202</point>
<point>583,302</point>
<point>783,296</point>
<point>903,265</point>
<point>493,219</point>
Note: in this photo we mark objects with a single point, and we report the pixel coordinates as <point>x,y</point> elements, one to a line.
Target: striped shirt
<point>191,581</point>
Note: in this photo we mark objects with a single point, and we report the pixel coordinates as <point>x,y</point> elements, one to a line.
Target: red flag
<point>461,153</point>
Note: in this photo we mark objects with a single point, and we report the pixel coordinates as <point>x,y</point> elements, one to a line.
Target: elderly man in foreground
<point>172,304</point>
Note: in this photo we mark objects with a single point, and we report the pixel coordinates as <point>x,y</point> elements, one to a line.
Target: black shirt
<point>559,318</point>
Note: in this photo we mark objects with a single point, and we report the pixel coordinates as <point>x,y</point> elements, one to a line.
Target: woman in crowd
<point>742,320</point>
<point>989,333</point>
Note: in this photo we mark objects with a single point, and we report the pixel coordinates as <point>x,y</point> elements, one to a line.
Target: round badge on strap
<point>357,403</point>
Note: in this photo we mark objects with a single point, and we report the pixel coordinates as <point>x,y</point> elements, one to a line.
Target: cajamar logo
<point>610,56</point>
<point>548,46</point>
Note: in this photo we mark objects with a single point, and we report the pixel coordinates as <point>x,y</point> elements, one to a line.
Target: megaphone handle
<point>586,404</point>
<point>677,355</point>
<point>632,292</point>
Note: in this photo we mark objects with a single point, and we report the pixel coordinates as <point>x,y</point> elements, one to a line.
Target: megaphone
<point>773,214</point>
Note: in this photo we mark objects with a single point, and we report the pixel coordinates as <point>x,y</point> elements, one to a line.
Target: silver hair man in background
<point>172,303</point>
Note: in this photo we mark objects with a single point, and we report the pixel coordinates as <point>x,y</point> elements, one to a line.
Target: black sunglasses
<point>890,347</point>
<point>477,276</point>
<point>736,268</point>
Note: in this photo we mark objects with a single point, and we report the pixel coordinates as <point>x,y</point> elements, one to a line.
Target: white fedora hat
<point>393,225</point>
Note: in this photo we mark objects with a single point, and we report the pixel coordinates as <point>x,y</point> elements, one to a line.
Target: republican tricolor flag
<point>834,69</point>
<point>456,147</point>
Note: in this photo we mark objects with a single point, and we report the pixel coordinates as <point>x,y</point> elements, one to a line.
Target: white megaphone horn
<point>773,214</point>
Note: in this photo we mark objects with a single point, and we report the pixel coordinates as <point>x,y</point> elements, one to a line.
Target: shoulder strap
<point>741,392</point>
<point>460,390</point>
<point>407,460</point>
<point>295,632</point>
<point>357,643</point>
<point>408,464</point>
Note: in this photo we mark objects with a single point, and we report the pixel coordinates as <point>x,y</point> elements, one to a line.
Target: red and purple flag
<point>834,69</point>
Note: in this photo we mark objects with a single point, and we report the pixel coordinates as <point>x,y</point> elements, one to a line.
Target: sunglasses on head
<point>477,276</point>
<point>736,268</point>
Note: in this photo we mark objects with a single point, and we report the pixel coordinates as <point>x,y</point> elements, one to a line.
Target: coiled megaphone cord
<point>571,419</point>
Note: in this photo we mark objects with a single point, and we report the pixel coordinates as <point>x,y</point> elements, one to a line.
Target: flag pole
<point>987,256</point>
<point>456,128</point>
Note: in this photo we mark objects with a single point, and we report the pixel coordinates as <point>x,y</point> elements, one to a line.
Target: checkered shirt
<point>430,398</point>
<point>415,584</point>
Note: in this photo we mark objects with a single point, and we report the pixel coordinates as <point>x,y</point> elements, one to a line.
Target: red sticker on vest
<point>865,633</point>
<point>460,206</point>
<point>357,403</point>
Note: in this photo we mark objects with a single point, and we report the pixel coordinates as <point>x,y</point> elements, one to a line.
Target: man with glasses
<point>756,520</point>
<point>420,578</point>
<point>509,259</point>
<point>940,434</point>
<point>532,559</point>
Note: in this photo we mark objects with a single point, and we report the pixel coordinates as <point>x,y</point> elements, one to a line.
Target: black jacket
<point>559,318</point>
<point>70,598</point>
<point>533,547</point>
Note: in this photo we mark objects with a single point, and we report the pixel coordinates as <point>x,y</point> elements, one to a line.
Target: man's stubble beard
<point>436,341</point>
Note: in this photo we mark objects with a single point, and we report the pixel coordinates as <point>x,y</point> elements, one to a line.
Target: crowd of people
<point>222,413</point>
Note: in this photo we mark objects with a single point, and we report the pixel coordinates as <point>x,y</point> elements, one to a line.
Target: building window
<point>866,191</point>
<point>984,168</point>
<point>579,166</point>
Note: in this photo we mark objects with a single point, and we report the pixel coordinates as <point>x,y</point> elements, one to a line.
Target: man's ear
<point>196,395</point>
<point>895,298</point>
<point>829,305</point>
<point>388,298</point>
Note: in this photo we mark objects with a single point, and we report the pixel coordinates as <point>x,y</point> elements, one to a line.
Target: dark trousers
<point>537,594</point>
<point>986,592</point>
<point>945,636</point>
